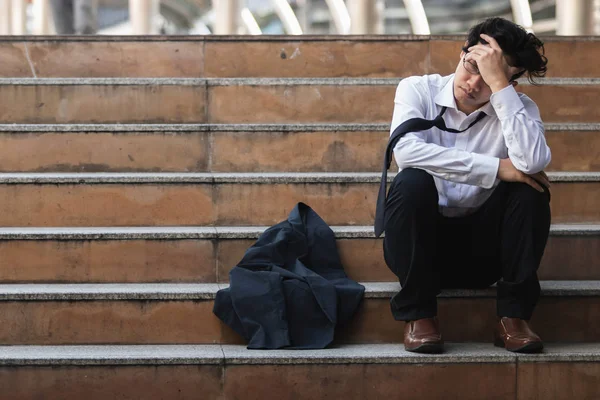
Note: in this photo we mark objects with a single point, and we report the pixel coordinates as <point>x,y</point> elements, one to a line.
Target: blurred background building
<point>203,17</point>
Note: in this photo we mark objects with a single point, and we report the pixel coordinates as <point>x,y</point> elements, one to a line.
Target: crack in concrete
<point>30,62</point>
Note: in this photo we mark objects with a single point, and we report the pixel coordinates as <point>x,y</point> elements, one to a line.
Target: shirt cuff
<point>506,102</point>
<point>485,170</point>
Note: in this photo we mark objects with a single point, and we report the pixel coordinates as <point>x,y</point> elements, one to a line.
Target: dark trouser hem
<point>412,313</point>
<point>502,242</point>
<point>517,301</point>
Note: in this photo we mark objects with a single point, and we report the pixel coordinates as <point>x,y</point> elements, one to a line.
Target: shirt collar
<point>445,98</point>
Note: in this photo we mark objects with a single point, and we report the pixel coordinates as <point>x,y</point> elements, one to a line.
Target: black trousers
<point>503,242</point>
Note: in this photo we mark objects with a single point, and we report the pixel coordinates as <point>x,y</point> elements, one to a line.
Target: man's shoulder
<point>431,79</point>
<point>432,82</point>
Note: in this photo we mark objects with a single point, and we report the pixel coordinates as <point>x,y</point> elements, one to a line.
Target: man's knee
<point>527,195</point>
<point>414,186</point>
<point>525,198</point>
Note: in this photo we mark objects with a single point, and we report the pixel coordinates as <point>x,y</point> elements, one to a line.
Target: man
<point>470,204</point>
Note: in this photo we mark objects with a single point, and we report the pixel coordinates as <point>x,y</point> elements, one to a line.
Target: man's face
<point>470,90</point>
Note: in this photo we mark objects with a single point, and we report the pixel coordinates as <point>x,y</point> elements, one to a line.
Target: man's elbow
<point>401,156</point>
<point>402,163</point>
<point>534,165</point>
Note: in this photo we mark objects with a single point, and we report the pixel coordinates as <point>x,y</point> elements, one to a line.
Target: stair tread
<point>230,177</point>
<point>289,127</point>
<point>211,232</point>
<point>238,354</point>
<point>207,291</point>
<point>259,81</point>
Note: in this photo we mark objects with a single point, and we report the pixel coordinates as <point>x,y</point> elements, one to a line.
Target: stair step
<point>242,56</point>
<point>208,291</point>
<point>130,199</point>
<point>92,178</point>
<point>158,100</point>
<point>237,148</point>
<point>466,371</point>
<point>206,254</point>
<point>107,57</point>
<point>246,100</point>
<point>215,354</point>
<point>215,232</point>
<point>182,314</point>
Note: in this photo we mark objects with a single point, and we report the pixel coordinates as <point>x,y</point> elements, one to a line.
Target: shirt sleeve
<point>523,130</point>
<point>414,150</point>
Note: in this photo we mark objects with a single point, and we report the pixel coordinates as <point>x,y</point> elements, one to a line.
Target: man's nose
<point>475,82</point>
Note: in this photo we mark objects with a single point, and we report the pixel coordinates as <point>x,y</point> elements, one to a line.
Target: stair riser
<point>112,382</point>
<point>575,151</point>
<point>119,59</point>
<point>354,58</point>
<point>558,380</point>
<point>349,57</point>
<point>473,320</point>
<point>101,103</point>
<point>361,151</point>
<point>88,261</point>
<point>105,152</point>
<point>360,381</point>
<point>145,103</point>
<point>105,321</point>
<point>368,103</point>
<point>209,261</point>
<point>225,204</point>
<point>474,381</point>
<point>192,321</point>
<point>565,258</point>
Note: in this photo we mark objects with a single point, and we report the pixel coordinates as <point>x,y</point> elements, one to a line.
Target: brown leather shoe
<point>515,335</point>
<point>423,336</point>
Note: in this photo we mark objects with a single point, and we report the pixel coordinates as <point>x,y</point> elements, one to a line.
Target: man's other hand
<point>508,173</point>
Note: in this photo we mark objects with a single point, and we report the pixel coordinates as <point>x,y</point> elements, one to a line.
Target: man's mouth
<point>468,94</point>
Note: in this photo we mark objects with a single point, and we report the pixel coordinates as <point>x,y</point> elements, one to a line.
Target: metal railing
<point>567,17</point>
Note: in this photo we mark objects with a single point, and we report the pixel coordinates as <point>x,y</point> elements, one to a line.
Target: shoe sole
<point>533,347</point>
<point>427,348</point>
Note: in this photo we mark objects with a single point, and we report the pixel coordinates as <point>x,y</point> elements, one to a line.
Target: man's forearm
<point>450,164</point>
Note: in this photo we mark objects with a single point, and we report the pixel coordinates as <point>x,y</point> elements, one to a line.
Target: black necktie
<point>411,125</point>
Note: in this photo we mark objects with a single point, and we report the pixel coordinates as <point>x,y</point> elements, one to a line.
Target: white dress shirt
<point>465,165</point>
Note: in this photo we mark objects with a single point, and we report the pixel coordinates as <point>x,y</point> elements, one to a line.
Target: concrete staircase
<point>135,172</point>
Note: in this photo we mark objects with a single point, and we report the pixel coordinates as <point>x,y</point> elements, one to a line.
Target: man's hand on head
<point>492,64</point>
<point>508,173</point>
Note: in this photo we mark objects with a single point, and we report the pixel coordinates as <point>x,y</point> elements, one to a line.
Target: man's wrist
<point>500,167</point>
<point>498,85</point>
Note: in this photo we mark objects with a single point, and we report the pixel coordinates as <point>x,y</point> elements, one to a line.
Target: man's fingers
<point>546,179</point>
<point>473,53</point>
<point>542,178</point>
<point>492,42</point>
<point>479,49</point>
<point>532,182</point>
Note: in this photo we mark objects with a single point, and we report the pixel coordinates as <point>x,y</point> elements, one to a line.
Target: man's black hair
<point>523,49</point>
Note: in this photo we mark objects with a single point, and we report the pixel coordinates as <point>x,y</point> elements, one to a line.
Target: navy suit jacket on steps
<point>290,289</point>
